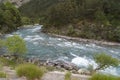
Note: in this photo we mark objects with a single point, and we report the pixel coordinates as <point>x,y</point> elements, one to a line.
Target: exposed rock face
<point>17,3</point>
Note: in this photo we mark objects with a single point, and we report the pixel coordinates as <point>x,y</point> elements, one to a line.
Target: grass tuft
<point>7,62</point>
<point>30,71</point>
<point>2,75</point>
<point>68,76</point>
<point>99,76</point>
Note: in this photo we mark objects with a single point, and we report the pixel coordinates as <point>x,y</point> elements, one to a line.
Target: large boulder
<point>84,71</point>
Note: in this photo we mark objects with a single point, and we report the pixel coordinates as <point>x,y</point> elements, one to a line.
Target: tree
<point>10,17</point>
<point>1,43</point>
<point>105,61</point>
<point>26,20</point>
<point>16,46</point>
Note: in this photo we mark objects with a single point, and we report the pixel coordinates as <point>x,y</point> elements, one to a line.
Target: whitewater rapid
<point>44,46</point>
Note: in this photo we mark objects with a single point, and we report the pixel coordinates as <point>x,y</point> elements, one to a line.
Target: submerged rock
<point>58,64</point>
<point>84,71</point>
<point>0,34</point>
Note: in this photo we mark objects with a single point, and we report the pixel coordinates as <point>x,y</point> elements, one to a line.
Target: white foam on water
<point>74,55</point>
<point>68,44</point>
<point>35,43</point>
<point>93,46</point>
<point>37,38</point>
<point>65,44</point>
<point>80,61</point>
<point>71,45</point>
<point>60,39</point>
<point>115,52</point>
<point>33,38</point>
<point>9,35</point>
<point>36,29</point>
<point>83,61</point>
<point>110,70</point>
<point>60,45</point>
<point>28,38</point>
<point>63,58</point>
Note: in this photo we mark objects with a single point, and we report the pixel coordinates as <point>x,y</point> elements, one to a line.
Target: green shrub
<point>7,62</point>
<point>68,76</point>
<point>30,71</point>
<point>103,77</point>
<point>104,61</point>
<point>2,75</point>
<point>26,20</point>
<point>50,68</point>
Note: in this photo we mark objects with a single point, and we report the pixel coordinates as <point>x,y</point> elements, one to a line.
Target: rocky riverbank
<point>58,65</point>
<point>52,75</point>
<point>86,40</point>
<point>49,75</point>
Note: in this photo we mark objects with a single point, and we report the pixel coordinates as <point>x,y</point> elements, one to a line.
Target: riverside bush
<point>2,75</point>
<point>68,76</point>
<point>30,71</point>
<point>7,62</point>
<point>104,77</point>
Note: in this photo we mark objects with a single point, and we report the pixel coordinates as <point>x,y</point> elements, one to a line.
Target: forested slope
<point>36,8</point>
<point>94,19</point>
<point>10,18</point>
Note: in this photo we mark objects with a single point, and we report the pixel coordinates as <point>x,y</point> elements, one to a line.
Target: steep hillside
<point>17,3</point>
<point>36,8</point>
<point>93,19</point>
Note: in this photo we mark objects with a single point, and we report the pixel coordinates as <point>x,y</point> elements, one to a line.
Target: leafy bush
<point>68,76</point>
<point>7,62</point>
<point>105,61</point>
<point>2,75</point>
<point>103,77</point>
<point>30,71</point>
<point>26,20</point>
<point>10,17</point>
<point>16,46</point>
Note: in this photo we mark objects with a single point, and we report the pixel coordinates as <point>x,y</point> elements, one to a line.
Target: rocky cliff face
<point>17,3</point>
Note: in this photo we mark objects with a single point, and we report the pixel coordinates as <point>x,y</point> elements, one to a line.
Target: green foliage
<point>101,18</point>
<point>36,8</point>
<point>7,62</point>
<point>103,77</point>
<point>2,43</point>
<point>68,76</point>
<point>102,15</point>
<point>16,45</point>
<point>30,71</point>
<point>10,17</point>
<point>2,75</point>
<point>105,61</point>
<point>71,30</point>
<point>26,21</point>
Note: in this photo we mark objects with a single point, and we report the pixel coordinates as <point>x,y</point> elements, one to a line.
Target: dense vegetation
<point>2,75</point>
<point>16,46</point>
<point>10,17</point>
<point>104,77</point>
<point>30,71</point>
<point>94,19</point>
<point>104,61</point>
<point>36,8</point>
<point>68,76</point>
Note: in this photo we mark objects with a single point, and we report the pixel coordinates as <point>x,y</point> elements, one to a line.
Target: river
<point>44,46</point>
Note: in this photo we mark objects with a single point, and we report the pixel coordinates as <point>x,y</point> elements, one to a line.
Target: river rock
<point>64,64</point>
<point>0,34</point>
<point>84,71</point>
